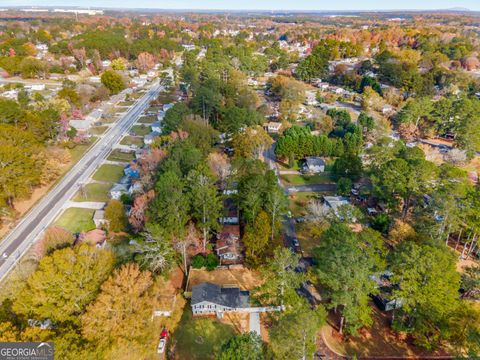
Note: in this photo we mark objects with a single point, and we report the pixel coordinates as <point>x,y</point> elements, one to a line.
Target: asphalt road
<point>44,213</point>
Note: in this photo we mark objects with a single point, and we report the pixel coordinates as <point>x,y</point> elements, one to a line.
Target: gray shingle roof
<point>230,297</point>
<point>314,161</point>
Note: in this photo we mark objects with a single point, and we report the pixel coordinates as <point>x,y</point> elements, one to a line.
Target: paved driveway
<point>255,322</point>
<point>312,188</point>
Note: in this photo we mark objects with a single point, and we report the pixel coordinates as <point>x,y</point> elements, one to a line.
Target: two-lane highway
<point>44,213</point>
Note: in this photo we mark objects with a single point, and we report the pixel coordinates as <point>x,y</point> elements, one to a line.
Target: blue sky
<point>258,4</point>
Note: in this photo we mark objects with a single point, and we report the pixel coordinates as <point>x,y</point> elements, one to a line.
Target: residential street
<point>44,213</point>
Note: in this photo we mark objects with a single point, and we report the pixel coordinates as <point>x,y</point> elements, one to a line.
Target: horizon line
<point>454,9</point>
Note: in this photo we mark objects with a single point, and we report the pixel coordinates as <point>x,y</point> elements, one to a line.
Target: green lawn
<point>201,338</point>
<point>94,192</point>
<point>76,220</point>
<point>154,109</point>
<point>297,202</point>
<point>132,140</point>
<point>286,166</point>
<point>98,130</point>
<point>141,130</point>
<point>107,172</point>
<point>78,151</point>
<point>147,119</point>
<point>323,178</point>
<point>117,155</point>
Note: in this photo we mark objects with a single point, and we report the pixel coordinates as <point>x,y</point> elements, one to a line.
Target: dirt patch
<point>378,341</point>
<point>239,321</point>
<point>245,279</point>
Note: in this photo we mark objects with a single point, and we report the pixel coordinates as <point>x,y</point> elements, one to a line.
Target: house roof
<point>230,297</point>
<point>119,187</point>
<point>314,161</point>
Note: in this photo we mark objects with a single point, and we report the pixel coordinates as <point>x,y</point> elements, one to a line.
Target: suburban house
<point>150,138</point>
<point>96,237</point>
<point>156,127</point>
<point>383,299</point>
<point>136,187</point>
<point>211,299</point>
<point>160,115</point>
<point>230,212</point>
<point>99,218</point>
<point>228,246</point>
<point>167,107</point>
<point>95,116</point>
<point>81,125</point>
<point>272,127</point>
<point>314,165</point>
<point>117,191</point>
<point>334,202</point>
<point>131,171</point>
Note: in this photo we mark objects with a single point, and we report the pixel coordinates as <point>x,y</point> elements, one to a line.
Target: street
<point>34,223</point>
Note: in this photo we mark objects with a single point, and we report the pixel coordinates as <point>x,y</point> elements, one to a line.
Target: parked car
<point>163,341</point>
<point>296,243</point>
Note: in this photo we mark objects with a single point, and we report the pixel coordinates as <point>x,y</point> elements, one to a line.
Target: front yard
<point>298,202</point>
<point>132,140</point>
<point>108,173</point>
<point>117,155</point>
<point>141,130</point>
<point>94,192</point>
<point>199,338</point>
<point>98,130</point>
<point>147,119</point>
<point>301,179</point>
<point>76,220</point>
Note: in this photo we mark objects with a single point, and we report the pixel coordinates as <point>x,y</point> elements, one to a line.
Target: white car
<point>4,255</point>
<point>161,346</point>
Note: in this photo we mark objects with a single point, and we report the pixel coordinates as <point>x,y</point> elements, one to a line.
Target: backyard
<point>76,220</point>
<point>93,192</point>
<point>108,173</point>
<point>199,338</point>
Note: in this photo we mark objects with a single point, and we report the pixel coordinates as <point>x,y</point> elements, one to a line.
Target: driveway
<point>255,322</point>
<point>312,188</point>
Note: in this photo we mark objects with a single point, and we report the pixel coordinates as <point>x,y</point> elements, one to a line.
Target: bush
<point>198,261</point>
<point>211,262</point>
<point>344,186</point>
<point>381,223</point>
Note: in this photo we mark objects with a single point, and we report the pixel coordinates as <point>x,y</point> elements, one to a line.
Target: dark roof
<point>314,161</point>
<point>230,297</point>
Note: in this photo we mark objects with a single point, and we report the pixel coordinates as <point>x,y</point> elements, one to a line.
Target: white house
<point>160,115</point>
<point>273,127</point>
<point>150,138</point>
<point>81,125</point>
<point>117,191</point>
<point>314,165</point>
<point>156,127</point>
<point>135,188</point>
<point>166,107</point>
